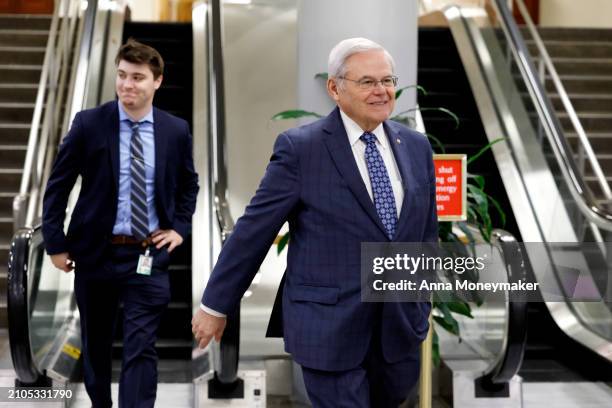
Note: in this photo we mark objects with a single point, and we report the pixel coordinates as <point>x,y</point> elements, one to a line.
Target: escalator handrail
<point>515,339</point>
<point>44,131</point>
<point>41,154</point>
<point>580,191</point>
<point>18,307</point>
<point>567,103</point>
<point>510,358</point>
<point>226,370</point>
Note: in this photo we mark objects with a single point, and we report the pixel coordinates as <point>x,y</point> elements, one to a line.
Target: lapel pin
<point>398,141</point>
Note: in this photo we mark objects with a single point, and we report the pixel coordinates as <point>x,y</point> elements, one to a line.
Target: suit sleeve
<point>66,168</point>
<point>187,190</point>
<point>255,231</point>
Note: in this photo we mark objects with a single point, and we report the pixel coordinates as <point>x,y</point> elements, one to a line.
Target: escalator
<point>471,68</point>
<point>43,319</point>
<point>174,344</point>
<point>44,323</point>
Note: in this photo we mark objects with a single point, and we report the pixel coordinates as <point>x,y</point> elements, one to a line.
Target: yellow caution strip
<point>72,351</point>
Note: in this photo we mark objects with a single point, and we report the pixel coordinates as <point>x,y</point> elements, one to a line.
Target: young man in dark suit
<point>137,195</point>
<point>349,178</point>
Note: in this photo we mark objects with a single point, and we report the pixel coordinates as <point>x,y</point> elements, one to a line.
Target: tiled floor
<point>567,395</point>
<point>535,395</point>
<point>168,395</point>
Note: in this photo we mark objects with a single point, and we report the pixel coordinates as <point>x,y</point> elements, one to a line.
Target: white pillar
<point>323,23</point>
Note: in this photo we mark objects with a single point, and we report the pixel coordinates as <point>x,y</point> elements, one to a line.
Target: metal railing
<point>18,306</point>
<point>72,79</point>
<point>509,361</point>
<point>546,66</point>
<point>226,363</point>
<point>55,81</point>
<point>589,207</point>
<point>510,357</point>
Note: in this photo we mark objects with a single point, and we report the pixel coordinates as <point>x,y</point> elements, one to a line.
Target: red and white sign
<point>451,188</point>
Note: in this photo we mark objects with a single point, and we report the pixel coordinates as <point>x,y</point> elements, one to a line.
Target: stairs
<point>441,73</point>
<point>583,60</point>
<point>22,47</point>
<point>174,342</point>
<point>550,354</point>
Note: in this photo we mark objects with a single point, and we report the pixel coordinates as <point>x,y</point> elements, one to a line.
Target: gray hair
<point>336,64</point>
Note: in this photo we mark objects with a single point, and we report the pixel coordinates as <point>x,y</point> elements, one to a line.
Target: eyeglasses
<point>370,83</point>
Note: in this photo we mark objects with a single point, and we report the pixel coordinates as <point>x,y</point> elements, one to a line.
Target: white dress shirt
<point>354,132</point>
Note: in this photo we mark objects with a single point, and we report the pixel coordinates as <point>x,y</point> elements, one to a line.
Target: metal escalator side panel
<point>17,307</point>
<point>525,173</point>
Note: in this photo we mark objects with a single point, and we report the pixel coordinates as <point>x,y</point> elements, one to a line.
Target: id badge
<point>145,263</point>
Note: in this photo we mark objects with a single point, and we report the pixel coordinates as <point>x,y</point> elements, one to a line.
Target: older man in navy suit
<point>349,178</point>
<point>138,193</point>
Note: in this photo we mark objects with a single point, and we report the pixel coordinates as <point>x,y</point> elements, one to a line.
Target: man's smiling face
<point>367,107</point>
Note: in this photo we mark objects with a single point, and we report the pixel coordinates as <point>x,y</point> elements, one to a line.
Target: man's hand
<point>62,261</point>
<point>165,237</point>
<point>205,326</point>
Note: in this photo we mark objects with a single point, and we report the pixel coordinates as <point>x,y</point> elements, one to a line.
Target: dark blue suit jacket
<point>312,181</point>
<point>91,150</point>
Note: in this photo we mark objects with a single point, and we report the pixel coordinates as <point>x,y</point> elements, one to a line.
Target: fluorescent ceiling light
<point>244,2</point>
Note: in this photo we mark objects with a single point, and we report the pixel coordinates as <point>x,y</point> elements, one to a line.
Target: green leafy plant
<point>479,205</point>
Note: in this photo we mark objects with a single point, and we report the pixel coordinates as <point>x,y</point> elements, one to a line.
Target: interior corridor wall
<point>323,23</point>
<point>260,80</point>
<point>572,13</point>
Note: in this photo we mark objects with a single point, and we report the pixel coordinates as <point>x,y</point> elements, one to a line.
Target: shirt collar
<point>124,116</point>
<point>354,131</point>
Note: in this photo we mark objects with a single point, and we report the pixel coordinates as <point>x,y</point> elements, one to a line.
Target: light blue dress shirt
<point>123,224</point>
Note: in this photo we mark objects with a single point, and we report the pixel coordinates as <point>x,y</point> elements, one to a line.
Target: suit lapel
<point>402,158</point>
<point>160,136</point>
<point>111,129</point>
<point>339,148</point>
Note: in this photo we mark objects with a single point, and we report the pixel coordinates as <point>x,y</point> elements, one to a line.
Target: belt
<point>130,240</point>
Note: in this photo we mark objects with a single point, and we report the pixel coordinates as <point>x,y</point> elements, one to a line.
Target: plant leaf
<point>484,149</point>
<point>419,88</point>
<point>321,75</point>
<point>480,204</point>
<point>447,321</point>
<point>406,120</point>
<point>480,180</point>
<point>295,114</point>
<point>435,349</point>
<point>282,243</point>
<point>500,211</point>
<point>444,110</point>
<point>453,329</point>
<point>436,141</point>
<point>461,308</point>
<point>463,227</point>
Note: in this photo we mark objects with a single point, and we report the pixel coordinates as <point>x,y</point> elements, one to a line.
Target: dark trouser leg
<point>145,298</point>
<point>337,389</point>
<point>97,301</point>
<point>390,383</point>
<point>375,383</point>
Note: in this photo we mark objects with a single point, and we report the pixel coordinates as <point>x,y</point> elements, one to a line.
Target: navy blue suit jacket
<point>91,150</point>
<point>312,181</point>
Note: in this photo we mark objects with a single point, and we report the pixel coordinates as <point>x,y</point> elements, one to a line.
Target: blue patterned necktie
<point>384,200</point>
<point>138,193</point>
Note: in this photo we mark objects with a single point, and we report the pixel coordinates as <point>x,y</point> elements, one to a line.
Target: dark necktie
<point>384,200</point>
<point>138,194</point>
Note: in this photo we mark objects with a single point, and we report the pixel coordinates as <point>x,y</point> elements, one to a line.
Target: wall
<point>573,13</point>
<point>145,10</point>
<point>391,23</point>
<point>260,80</point>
